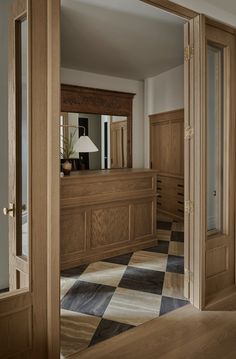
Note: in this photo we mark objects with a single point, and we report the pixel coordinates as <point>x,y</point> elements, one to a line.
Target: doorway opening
<point>131,48</point>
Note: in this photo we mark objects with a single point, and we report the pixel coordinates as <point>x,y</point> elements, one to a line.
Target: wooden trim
<point>220,25</point>
<point>173,8</point>
<point>53,173</point>
<point>103,102</point>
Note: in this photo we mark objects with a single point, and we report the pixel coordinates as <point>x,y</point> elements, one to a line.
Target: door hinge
<point>189,207</point>
<point>188,275</point>
<point>188,53</point>
<point>188,133</point>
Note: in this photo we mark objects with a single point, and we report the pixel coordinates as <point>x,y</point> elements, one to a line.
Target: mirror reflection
<point>107,133</point>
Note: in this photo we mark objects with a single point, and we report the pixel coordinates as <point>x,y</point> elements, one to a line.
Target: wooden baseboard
<point>225,300</point>
<point>90,258</point>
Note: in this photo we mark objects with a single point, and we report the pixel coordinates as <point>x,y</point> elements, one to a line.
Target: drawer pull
<point>159,181</point>
<point>159,195</point>
<point>159,203</point>
<point>180,210</point>
<point>180,194</point>
<point>180,202</point>
<point>159,189</point>
<point>180,185</point>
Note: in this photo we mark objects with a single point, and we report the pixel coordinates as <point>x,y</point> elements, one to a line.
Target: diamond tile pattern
<point>124,291</point>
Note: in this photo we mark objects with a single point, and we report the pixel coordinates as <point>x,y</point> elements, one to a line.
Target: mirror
<point>108,133</point>
<point>106,117</point>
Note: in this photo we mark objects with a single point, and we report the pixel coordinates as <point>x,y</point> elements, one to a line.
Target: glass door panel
<point>215,139</point>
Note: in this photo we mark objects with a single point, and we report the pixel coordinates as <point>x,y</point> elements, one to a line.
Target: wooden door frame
<point>52,135</point>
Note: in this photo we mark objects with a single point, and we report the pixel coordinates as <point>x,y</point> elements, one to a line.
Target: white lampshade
<point>84,144</point>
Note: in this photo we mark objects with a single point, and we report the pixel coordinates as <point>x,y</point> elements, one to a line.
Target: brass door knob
<point>9,211</point>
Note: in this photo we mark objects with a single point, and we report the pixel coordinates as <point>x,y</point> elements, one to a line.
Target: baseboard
<point>222,301</point>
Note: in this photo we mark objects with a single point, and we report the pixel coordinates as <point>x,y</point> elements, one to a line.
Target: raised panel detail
<point>73,228</point>
<point>104,221</point>
<point>106,213</point>
<point>217,261</point>
<point>143,219</point>
<point>16,328</point>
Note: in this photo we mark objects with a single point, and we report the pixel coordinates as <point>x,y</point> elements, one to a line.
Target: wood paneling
<point>118,144</point>
<point>104,102</point>
<point>167,157</point>
<point>144,218</point>
<point>110,225</point>
<point>106,213</point>
<point>73,227</point>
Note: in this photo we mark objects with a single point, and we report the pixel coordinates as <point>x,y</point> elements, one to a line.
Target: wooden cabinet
<point>167,157</point>
<point>106,213</point>
<point>119,144</point>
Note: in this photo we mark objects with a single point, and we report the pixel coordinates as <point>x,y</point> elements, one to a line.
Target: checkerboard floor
<point>103,299</point>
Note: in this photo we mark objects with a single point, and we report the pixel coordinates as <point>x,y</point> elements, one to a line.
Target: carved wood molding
<point>97,101</point>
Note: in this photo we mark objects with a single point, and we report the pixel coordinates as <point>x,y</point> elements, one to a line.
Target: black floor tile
<point>122,259</point>
<point>4,290</point>
<point>169,304</point>
<point>74,272</point>
<point>143,280</point>
<point>162,247</point>
<point>175,264</point>
<point>88,298</point>
<point>177,236</point>
<point>164,225</point>
<point>108,329</point>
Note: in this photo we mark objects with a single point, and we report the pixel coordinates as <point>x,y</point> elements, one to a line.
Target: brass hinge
<point>188,275</point>
<point>188,133</point>
<point>189,207</point>
<point>188,53</point>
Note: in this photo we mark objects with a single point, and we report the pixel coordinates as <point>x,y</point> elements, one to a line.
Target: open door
<point>209,159</point>
<point>29,318</point>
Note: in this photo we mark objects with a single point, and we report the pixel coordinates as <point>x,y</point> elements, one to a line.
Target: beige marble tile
<point>149,260</point>
<point>163,235</point>
<point>176,248</point>
<point>103,273</point>
<point>133,307</point>
<point>77,330</point>
<point>66,284</point>
<point>173,285</point>
<point>178,226</point>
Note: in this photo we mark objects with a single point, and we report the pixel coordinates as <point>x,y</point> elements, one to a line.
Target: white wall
<point>80,78</point>
<point>4,8</point>
<point>164,92</point>
<point>211,9</point>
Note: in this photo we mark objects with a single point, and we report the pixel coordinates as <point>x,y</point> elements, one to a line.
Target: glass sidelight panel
<point>215,139</point>
<point>22,153</point>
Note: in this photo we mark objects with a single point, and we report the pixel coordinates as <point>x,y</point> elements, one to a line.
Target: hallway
<point>109,297</point>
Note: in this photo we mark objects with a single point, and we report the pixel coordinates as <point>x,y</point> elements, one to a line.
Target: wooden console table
<point>106,213</point>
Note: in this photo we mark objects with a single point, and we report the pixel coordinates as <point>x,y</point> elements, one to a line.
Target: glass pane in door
<point>215,139</point>
<point>23,133</point>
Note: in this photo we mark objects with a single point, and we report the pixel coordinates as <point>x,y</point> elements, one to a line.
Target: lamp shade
<point>84,144</point>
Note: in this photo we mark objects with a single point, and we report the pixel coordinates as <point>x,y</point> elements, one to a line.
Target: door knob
<point>214,193</point>
<point>9,211</point>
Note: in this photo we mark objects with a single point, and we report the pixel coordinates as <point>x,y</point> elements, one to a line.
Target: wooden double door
<point>209,160</point>
<point>28,327</point>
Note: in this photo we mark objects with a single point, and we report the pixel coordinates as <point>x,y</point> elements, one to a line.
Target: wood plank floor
<point>184,333</point>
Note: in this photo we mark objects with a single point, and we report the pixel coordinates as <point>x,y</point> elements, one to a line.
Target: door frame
<point>52,134</point>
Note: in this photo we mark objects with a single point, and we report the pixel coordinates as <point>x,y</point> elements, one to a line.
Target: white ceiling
<point>228,5</point>
<point>123,38</point>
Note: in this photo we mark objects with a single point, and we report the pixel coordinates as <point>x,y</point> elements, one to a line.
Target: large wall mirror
<point>106,118</point>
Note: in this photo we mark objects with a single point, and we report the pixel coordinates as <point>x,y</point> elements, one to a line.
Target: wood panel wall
<point>106,213</point>
<point>167,157</point>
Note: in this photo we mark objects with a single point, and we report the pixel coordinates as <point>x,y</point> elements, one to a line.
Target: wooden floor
<point>184,333</point>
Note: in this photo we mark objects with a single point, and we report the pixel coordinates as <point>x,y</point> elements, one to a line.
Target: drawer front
<point>170,195</point>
